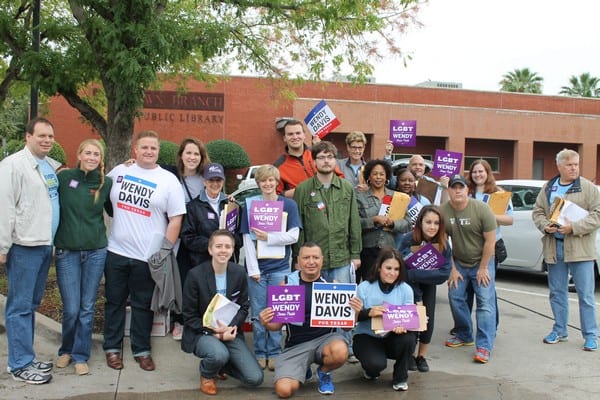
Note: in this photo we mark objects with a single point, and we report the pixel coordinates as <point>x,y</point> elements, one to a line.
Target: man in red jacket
<point>296,164</point>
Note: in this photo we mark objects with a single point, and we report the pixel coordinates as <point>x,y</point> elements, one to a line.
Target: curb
<point>43,325</point>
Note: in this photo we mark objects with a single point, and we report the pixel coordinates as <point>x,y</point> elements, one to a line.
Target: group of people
<point>333,231</point>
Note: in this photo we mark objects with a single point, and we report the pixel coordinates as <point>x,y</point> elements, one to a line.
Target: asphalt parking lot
<point>521,366</point>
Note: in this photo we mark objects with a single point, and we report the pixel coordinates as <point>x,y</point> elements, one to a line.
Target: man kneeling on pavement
<point>304,344</point>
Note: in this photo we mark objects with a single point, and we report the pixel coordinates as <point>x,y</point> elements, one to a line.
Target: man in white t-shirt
<point>147,205</point>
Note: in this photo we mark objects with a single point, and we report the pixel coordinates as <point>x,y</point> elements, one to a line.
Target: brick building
<point>518,133</point>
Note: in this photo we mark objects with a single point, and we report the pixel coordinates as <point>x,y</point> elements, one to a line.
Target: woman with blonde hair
<point>80,251</point>
<point>267,271</point>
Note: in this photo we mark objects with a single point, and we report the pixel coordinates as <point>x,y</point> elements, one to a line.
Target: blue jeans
<point>485,313</point>
<point>233,358</point>
<point>267,344</point>
<point>558,283</point>
<point>27,271</point>
<point>78,274</point>
<point>341,275</point>
<point>127,277</point>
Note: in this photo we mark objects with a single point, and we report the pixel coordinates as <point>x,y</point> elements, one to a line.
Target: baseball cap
<point>457,179</point>
<point>214,170</point>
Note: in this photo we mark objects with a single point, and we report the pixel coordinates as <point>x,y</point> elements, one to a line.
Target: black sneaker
<point>453,332</point>
<point>31,375</point>
<point>412,363</point>
<point>422,364</point>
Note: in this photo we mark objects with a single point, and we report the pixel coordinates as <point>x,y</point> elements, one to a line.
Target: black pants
<point>373,353</point>
<point>368,256</point>
<point>429,293</point>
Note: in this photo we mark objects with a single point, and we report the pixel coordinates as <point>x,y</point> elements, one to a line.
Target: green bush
<point>227,153</point>
<point>14,145</point>
<point>56,152</point>
<point>168,152</point>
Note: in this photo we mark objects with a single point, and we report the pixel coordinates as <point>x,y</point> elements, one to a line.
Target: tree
<point>583,85</point>
<point>56,151</point>
<point>521,81</point>
<point>114,50</point>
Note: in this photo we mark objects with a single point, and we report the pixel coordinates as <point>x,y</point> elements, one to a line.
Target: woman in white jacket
<point>267,255</point>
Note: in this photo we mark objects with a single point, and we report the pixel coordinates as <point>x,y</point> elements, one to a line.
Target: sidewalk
<point>521,367</point>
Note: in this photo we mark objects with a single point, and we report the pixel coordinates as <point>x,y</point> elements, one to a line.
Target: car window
<point>241,197</point>
<point>523,197</point>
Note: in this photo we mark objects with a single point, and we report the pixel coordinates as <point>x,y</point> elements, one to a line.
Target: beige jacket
<point>581,244</point>
<point>25,207</point>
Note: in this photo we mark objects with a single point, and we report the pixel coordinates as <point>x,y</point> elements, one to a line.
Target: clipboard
<point>263,250</point>
<point>565,211</point>
<point>498,201</point>
<point>398,206</point>
<point>220,309</point>
<point>429,189</point>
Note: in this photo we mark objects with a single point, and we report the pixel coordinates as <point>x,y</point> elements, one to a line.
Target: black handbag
<point>500,252</point>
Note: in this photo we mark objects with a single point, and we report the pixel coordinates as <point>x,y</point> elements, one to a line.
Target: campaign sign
<point>384,209</point>
<point>266,215</point>
<point>405,316</point>
<point>446,163</point>
<point>330,306</point>
<point>231,219</point>
<point>403,132</point>
<point>321,120</point>
<point>427,258</point>
<point>287,302</point>
<point>413,210</point>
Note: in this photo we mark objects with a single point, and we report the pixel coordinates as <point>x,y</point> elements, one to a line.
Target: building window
<point>493,161</point>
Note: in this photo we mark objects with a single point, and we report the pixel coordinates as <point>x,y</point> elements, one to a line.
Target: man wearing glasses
<point>352,165</point>
<point>329,215</point>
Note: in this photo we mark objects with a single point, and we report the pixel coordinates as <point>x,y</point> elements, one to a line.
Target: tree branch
<point>11,75</point>
<point>95,118</point>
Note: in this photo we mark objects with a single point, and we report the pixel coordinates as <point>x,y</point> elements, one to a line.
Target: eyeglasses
<point>323,158</point>
<point>357,148</point>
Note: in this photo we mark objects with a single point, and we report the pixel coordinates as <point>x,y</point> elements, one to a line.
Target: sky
<point>476,42</point>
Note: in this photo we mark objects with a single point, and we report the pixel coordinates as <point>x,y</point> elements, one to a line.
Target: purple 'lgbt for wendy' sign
<point>427,257</point>
<point>446,163</point>
<point>405,316</point>
<point>287,302</point>
<point>403,132</point>
<point>266,215</point>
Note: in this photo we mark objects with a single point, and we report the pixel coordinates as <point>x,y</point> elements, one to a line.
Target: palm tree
<point>521,81</point>
<point>583,85</point>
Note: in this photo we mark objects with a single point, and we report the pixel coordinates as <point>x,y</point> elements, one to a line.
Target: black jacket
<point>198,224</point>
<point>200,287</point>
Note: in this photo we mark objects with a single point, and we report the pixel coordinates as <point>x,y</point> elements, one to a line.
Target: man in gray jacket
<point>29,215</point>
<point>569,247</point>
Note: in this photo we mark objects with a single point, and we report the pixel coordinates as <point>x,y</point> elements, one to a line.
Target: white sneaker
<point>177,331</point>
<point>400,386</point>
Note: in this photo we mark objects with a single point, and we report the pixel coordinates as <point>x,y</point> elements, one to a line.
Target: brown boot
<point>208,386</point>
